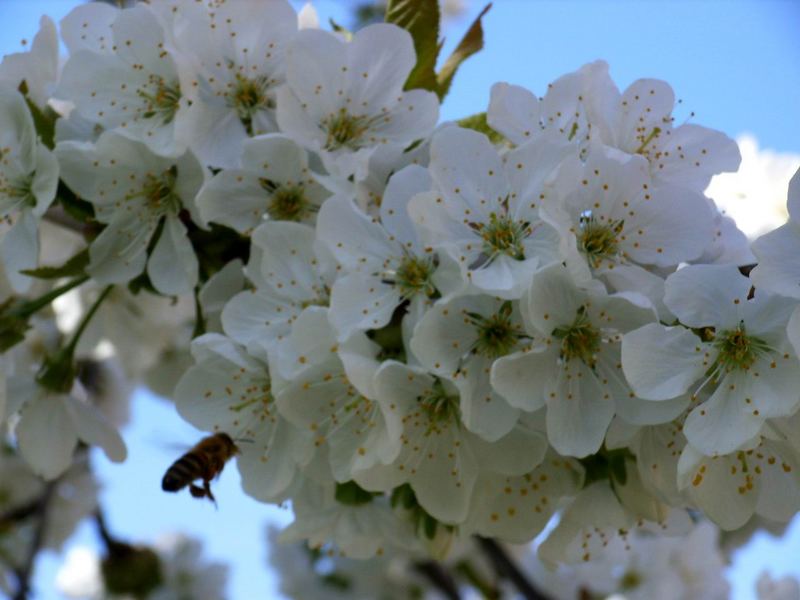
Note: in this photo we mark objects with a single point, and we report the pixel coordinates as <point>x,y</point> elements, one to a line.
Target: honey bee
<point>204,461</point>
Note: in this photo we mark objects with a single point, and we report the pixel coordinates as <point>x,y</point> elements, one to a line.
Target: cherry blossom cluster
<point>415,331</point>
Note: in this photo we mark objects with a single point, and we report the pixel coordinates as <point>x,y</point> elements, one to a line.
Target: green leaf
<point>73,267</point>
<point>616,463</point>
<point>348,35</point>
<point>351,494</point>
<point>337,581</point>
<point>12,331</point>
<point>471,43</point>
<point>479,123</point>
<point>43,119</point>
<point>78,209</point>
<point>429,526</point>
<point>142,283</point>
<point>403,496</point>
<point>421,19</point>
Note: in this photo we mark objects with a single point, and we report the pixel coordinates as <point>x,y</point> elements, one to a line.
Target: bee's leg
<point>197,492</point>
<point>209,495</point>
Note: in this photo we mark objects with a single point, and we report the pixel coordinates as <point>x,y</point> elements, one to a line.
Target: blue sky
<point>735,64</point>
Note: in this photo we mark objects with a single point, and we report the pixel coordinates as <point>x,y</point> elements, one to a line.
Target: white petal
<point>172,266</point>
<point>514,111</point>
<point>379,58</point>
<point>357,241</point>
<point>93,428</point>
<point>707,295</point>
<point>522,378</point>
<point>553,300</point>
<point>579,412</point>
<point>21,250</point>
<point>691,154</point>
<point>235,198</point>
<point>316,66</point>
<point>46,435</point>
<point>483,411</point>
<point>725,421</point>
<point>88,27</point>
<point>710,485</point>
<point>119,253</point>
<point>777,269</point>
<point>402,186</point>
<point>475,190</point>
<point>361,302</point>
<point>663,362</point>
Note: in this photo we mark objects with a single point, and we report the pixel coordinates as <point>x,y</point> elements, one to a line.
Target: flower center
<point>497,335</point>
<point>646,138</point>
<point>249,96</point>
<point>439,407</point>
<point>18,191</point>
<point>630,580</point>
<point>598,241</point>
<point>413,276</point>
<point>287,203</point>
<point>737,350</point>
<point>162,99</point>
<point>159,193</point>
<point>580,340</point>
<point>502,235</point>
<point>344,130</point>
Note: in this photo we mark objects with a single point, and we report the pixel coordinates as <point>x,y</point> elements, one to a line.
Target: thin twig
<point>439,577</point>
<point>19,513</point>
<point>25,572</point>
<point>58,216</point>
<point>506,568</point>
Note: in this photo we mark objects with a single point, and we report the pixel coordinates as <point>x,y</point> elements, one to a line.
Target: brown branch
<point>507,569</point>
<point>25,571</point>
<point>436,574</point>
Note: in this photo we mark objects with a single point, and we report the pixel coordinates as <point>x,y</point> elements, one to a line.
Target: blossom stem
<point>26,309</point>
<point>70,349</point>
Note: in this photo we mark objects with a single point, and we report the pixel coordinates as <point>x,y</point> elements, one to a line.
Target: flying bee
<point>204,461</point>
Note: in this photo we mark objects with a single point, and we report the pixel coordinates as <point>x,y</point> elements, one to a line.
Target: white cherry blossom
<point>596,524</point>
<point>237,63</point>
<point>439,458</point>
<point>561,113</point>
<point>343,100</point>
<point>28,181</point>
<point>51,424</point>
<point>383,262</point>
<point>730,489</point>
<point>131,82</point>
<point>274,181</point>
<point>38,68</point>
<point>740,351</point>
<point>639,121</point>
<point>461,339</point>
<point>322,401</point>
<point>290,274</point>
<point>611,216</point>
<point>573,365</point>
<point>517,508</point>
<point>139,196</point>
<point>485,210</point>
<point>364,530</point>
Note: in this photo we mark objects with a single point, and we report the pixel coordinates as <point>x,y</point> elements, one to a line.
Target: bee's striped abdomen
<point>183,471</point>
